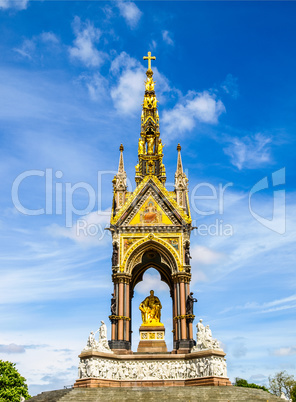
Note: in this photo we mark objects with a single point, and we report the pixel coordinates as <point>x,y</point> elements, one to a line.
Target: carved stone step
<point>192,394</point>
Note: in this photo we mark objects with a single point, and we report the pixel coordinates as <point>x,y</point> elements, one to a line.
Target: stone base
<point>123,346</point>
<point>184,345</point>
<point>152,347</point>
<point>99,383</point>
<point>98,369</point>
<point>152,339</point>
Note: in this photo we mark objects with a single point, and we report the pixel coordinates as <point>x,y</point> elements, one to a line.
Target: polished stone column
<point>182,321</point>
<point>120,323</point>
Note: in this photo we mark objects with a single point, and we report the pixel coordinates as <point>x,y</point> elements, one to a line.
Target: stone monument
<point>152,330</point>
<point>151,228</point>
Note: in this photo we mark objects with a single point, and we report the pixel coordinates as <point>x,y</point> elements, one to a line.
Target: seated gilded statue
<point>151,310</point>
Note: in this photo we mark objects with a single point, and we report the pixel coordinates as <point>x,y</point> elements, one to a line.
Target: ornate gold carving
<point>119,317</point>
<point>182,277</point>
<point>151,310</point>
<point>187,316</point>
<point>156,239</point>
<point>121,278</point>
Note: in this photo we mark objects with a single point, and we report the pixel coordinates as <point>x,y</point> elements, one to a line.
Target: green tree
<point>12,384</point>
<point>293,393</point>
<point>240,382</point>
<point>281,382</point>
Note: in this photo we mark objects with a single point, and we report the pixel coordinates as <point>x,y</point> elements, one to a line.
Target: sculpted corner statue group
<point>102,344</point>
<point>204,338</point>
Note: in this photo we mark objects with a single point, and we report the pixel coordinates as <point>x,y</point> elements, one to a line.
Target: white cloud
<point>96,84</point>
<point>89,230</point>
<point>249,152</point>
<point>230,86</point>
<point>130,12</point>
<point>124,62</point>
<point>84,45</point>
<point>166,36</point>
<point>17,4</point>
<point>49,37</point>
<point>194,107</point>
<point>12,348</point>
<point>29,46</point>
<point>128,94</point>
<point>202,255</point>
<point>268,307</point>
<point>27,49</point>
<point>153,44</point>
<point>289,351</point>
<point>152,281</point>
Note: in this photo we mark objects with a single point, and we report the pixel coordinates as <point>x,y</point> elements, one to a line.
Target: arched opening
<point>151,279</point>
<point>151,269</point>
<point>157,254</point>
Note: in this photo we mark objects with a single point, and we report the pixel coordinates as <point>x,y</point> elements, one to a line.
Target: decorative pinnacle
<point>149,58</point>
<point>179,161</point>
<point>121,163</point>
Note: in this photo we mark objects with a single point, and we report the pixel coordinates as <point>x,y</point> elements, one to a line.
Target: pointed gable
<point>150,213</point>
<point>150,204</point>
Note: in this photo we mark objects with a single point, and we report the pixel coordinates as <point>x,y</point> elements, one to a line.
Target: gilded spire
<point>121,163</point>
<point>119,181</point>
<point>180,177</point>
<point>150,145</point>
<point>179,162</point>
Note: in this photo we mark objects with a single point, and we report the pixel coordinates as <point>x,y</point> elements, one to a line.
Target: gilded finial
<point>179,147</point>
<point>149,58</point>
<point>121,148</point>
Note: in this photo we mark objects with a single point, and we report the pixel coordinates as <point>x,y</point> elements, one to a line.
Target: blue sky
<point>71,85</point>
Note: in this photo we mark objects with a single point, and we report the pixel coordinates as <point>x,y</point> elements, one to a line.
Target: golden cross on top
<point>149,58</point>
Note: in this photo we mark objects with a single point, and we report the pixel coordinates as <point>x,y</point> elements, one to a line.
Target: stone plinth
<point>152,339</point>
<point>98,369</point>
<point>164,393</point>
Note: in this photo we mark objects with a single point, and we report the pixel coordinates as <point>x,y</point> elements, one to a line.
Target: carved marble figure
<point>204,338</point>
